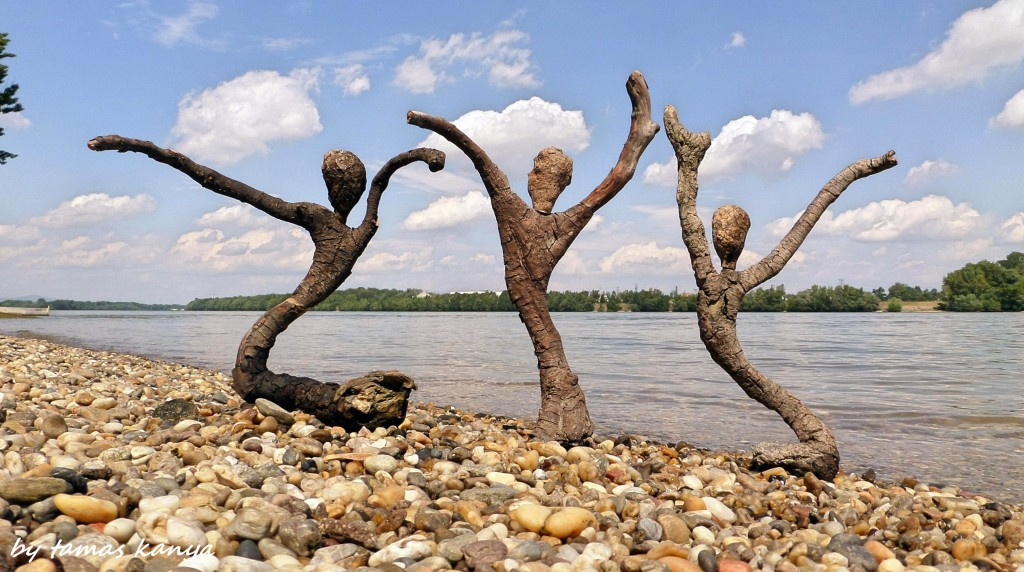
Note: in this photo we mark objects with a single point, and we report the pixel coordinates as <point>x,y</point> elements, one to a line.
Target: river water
<point>939,397</point>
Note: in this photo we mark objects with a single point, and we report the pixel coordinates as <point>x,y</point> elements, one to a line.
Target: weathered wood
<point>721,293</point>
<point>379,398</point>
<point>533,240</point>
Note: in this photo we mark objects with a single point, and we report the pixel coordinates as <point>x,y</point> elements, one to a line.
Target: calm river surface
<point>939,397</point>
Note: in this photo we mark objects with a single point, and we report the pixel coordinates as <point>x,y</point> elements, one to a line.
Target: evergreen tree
<point>8,102</point>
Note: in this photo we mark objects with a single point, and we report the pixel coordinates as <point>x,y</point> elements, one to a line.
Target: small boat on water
<point>13,311</point>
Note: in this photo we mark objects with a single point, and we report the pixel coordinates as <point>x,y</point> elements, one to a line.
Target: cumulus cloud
<point>18,234</point>
<point>83,252</point>
<point>184,29</point>
<point>14,120</point>
<point>762,145</point>
<point>514,135</point>
<point>447,212</point>
<point>241,116</point>
<point>387,262</point>
<point>482,258</point>
<point>737,40</point>
<point>929,170</point>
<point>1012,230</point>
<point>932,217</point>
<point>978,42</point>
<point>238,215</point>
<point>647,257</point>
<point>352,78</point>
<point>499,56</point>
<point>264,248</point>
<point>1012,115</point>
<point>93,208</point>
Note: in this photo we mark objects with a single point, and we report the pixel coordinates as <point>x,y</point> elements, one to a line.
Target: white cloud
<point>238,215</point>
<point>1012,229</point>
<point>499,56</point>
<point>184,28</point>
<point>263,248</point>
<point>482,258</point>
<point>513,136</point>
<point>932,217</point>
<point>762,145</point>
<point>352,78</point>
<point>572,264</point>
<point>83,251</point>
<point>14,120</point>
<point>387,262</point>
<point>415,75</point>
<point>92,208</point>
<point>647,257</point>
<point>929,170</point>
<point>18,234</point>
<point>737,40</point>
<point>447,212</point>
<point>1012,115</point>
<point>241,116</point>
<point>978,42</point>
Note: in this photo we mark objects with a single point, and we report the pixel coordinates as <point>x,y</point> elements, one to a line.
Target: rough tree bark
<point>720,294</point>
<point>381,397</point>
<point>533,240</point>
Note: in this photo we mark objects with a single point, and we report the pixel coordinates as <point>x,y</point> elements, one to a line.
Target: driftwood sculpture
<point>720,294</point>
<point>381,397</point>
<point>533,240</point>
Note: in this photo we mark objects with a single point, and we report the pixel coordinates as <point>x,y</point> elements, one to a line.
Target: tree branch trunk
<point>771,265</point>
<point>641,132</point>
<point>690,149</point>
<point>721,294</point>
<point>205,176</point>
<point>533,241</point>
<point>381,397</point>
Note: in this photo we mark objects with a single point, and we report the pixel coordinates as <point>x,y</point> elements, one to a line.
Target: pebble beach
<point>113,462</point>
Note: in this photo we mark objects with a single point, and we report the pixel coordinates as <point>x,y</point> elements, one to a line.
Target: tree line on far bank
<point>977,287</point>
<point>83,305</point>
<point>986,286</point>
<point>775,299</point>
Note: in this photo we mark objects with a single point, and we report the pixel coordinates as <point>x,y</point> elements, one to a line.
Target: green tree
<point>8,102</point>
<point>986,286</point>
<point>765,300</point>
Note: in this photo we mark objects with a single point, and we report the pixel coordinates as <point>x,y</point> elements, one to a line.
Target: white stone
<point>718,510</point>
<point>202,562</point>
<point>414,547</point>
<point>120,529</point>
<point>500,478</point>
<point>188,425</point>
<point>702,535</point>
<point>693,482</point>
<point>167,504</point>
<point>185,534</point>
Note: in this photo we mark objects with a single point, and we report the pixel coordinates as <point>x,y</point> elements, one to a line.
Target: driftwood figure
<point>380,397</point>
<point>533,240</point>
<point>720,293</point>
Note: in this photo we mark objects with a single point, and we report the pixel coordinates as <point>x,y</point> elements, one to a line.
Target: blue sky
<point>791,93</point>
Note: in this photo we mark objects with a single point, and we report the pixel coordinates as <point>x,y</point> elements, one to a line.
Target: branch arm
<point>432,157</point>
<point>641,132</point>
<point>690,149</point>
<point>771,265</point>
<point>205,176</point>
<point>493,178</point>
